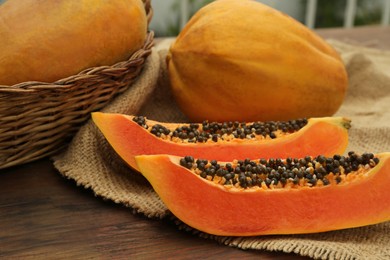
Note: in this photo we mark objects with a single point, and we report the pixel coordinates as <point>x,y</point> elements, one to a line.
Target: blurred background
<point>171,15</point>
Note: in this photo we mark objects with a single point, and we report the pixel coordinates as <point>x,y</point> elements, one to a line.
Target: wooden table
<point>43,215</point>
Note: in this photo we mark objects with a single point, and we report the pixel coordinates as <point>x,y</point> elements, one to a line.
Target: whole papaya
<point>242,60</point>
<point>48,40</point>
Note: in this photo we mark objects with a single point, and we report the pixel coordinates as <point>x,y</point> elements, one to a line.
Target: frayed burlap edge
<point>348,244</point>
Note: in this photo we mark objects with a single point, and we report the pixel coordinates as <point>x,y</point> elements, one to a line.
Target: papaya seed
<point>215,131</point>
<point>277,173</point>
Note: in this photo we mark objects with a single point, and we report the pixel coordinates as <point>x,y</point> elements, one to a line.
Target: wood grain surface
<point>43,215</point>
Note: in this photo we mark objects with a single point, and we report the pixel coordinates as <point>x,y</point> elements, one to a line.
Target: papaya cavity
<point>131,136</point>
<point>282,173</point>
<point>355,194</point>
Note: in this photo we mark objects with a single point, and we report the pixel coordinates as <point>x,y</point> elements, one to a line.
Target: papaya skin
<point>218,210</point>
<point>242,60</point>
<point>48,40</point>
<point>326,136</point>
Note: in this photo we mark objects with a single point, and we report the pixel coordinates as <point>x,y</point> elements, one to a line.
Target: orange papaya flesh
<point>358,198</point>
<point>325,136</point>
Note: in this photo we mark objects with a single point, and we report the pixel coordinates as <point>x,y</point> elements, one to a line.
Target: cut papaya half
<point>134,135</point>
<point>276,196</point>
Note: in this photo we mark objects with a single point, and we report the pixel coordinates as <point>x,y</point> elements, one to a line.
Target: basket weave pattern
<point>37,119</point>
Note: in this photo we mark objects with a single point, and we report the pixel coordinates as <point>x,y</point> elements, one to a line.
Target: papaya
<point>136,135</point>
<point>253,63</point>
<point>49,40</point>
<point>278,196</point>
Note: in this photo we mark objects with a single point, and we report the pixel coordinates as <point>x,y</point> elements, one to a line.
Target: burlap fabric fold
<point>90,161</point>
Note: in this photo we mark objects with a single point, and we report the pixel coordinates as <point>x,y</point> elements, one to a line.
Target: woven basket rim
<point>39,130</point>
<point>148,9</point>
<point>31,86</point>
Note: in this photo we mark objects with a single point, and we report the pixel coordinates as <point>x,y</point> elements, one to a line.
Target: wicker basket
<point>38,119</point>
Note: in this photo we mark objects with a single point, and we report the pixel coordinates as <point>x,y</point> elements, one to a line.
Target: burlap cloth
<point>90,161</point>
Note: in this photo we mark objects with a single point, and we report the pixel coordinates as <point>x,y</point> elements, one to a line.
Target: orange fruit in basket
<point>49,40</point>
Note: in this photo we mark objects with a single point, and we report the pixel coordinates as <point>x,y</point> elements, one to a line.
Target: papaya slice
<point>233,200</point>
<point>131,136</point>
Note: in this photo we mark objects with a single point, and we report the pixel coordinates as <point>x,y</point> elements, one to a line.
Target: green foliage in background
<point>330,13</point>
<point>173,28</point>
